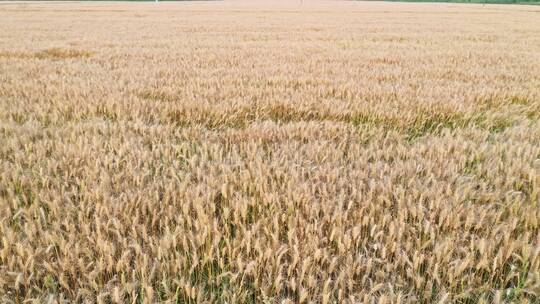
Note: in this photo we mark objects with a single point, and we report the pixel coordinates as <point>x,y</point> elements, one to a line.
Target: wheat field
<point>269,152</point>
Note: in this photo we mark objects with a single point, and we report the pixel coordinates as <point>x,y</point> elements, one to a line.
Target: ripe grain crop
<point>237,152</point>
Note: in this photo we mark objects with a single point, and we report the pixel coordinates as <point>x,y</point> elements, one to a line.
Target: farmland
<point>269,152</point>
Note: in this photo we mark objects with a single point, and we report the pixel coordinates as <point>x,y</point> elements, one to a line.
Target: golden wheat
<point>235,152</point>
